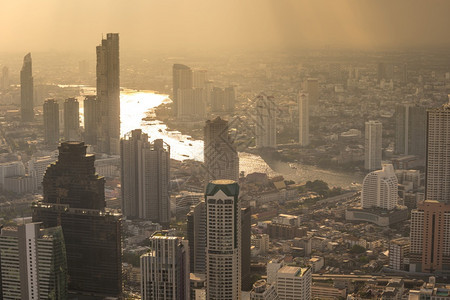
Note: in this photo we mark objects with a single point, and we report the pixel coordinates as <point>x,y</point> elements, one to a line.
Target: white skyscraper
<point>294,283</point>
<point>165,268</point>
<point>223,241</point>
<point>303,119</point>
<point>380,189</point>
<point>373,146</point>
<point>266,122</point>
<point>33,263</point>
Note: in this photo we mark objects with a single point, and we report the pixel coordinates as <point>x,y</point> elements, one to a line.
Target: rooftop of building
<point>197,277</point>
<point>229,187</point>
<point>163,234</point>
<point>293,271</point>
<point>401,241</point>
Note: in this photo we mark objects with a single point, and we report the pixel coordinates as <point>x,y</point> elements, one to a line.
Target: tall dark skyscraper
<point>246,235</point>
<point>145,178</point>
<point>220,154</point>
<point>26,90</point>
<point>108,94</point>
<point>196,235</point>
<point>410,130</point>
<point>182,79</point>
<point>71,120</point>
<point>90,120</point>
<point>51,122</point>
<point>74,199</point>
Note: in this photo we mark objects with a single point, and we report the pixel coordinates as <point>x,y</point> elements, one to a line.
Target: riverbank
<point>300,169</point>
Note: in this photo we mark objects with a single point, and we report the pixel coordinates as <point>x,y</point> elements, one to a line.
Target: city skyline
<point>225,150</point>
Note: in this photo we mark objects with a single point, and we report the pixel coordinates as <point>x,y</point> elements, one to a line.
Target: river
<point>136,105</point>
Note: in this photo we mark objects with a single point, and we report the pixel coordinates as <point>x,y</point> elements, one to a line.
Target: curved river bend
<point>136,105</point>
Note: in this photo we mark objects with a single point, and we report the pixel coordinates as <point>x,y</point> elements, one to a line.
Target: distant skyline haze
<point>178,25</point>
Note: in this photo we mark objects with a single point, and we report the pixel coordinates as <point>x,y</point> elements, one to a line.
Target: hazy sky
<point>30,25</point>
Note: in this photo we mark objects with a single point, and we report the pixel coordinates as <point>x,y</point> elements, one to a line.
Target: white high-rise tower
<point>380,189</point>
<point>223,240</point>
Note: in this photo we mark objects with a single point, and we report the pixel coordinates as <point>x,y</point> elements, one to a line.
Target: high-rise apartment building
<point>380,189</point>
<point>91,121</point>
<point>266,122</point>
<point>196,235</point>
<point>223,100</point>
<point>108,94</point>
<point>74,199</point>
<point>220,155</point>
<point>312,89</point>
<point>182,79</point>
<point>165,268</point>
<point>410,130</point>
<point>438,149</point>
<point>191,104</point>
<point>303,119</point>
<point>373,146</point>
<point>27,90</point>
<point>145,178</point>
<point>430,237</point>
<point>294,283</point>
<point>223,240</point>
<point>4,83</point>
<point>71,120</point>
<point>33,263</point>
<point>51,122</point>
